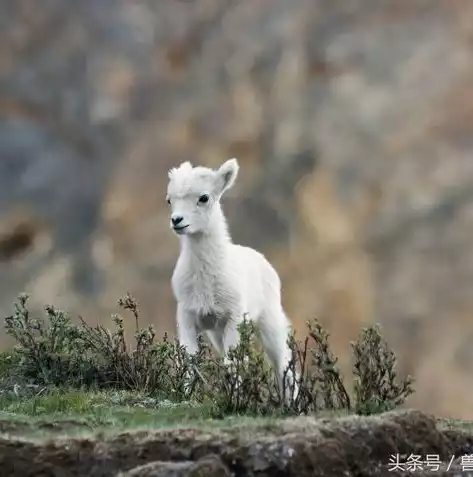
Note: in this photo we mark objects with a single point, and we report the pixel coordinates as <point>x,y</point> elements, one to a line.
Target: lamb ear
<point>227,174</point>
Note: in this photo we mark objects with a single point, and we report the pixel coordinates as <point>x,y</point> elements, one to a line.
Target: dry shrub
<point>56,352</point>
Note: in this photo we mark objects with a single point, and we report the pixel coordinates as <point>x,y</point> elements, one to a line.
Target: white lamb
<point>217,283</point>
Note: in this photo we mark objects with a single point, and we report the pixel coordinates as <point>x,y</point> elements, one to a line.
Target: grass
<point>63,377</point>
<point>82,412</point>
<point>455,424</point>
<point>85,413</point>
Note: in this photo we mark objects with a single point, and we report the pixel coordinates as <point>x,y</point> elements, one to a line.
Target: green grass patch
<point>75,413</point>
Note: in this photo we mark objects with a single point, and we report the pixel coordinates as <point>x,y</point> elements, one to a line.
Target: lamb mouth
<point>177,229</point>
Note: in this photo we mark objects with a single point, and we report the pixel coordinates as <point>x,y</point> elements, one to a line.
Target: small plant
<point>320,381</point>
<point>126,368</point>
<point>48,352</point>
<point>53,352</point>
<point>243,383</point>
<point>185,381</point>
<point>377,387</point>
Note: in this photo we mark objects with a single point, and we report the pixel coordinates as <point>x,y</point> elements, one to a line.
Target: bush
<point>377,387</point>
<point>54,352</point>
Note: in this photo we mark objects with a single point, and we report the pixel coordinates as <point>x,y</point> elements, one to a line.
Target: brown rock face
<point>352,122</point>
<point>394,444</point>
<point>210,466</point>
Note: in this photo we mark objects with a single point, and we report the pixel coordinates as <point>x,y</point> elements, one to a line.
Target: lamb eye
<point>203,199</point>
<point>168,200</point>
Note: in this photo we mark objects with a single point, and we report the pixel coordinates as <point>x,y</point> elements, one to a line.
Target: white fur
<point>216,282</point>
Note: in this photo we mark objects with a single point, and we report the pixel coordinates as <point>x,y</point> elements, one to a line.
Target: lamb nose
<point>176,220</point>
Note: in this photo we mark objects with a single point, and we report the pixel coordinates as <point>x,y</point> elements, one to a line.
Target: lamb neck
<point>210,246</point>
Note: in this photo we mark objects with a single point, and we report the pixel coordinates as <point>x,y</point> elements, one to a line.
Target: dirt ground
<point>299,447</point>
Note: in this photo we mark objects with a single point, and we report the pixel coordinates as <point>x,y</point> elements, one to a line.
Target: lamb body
<point>217,283</point>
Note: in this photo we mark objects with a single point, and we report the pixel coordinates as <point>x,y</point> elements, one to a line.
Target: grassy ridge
<point>59,369</point>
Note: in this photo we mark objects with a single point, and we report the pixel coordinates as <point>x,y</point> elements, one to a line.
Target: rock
<point>299,447</point>
<point>352,122</point>
<point>209,466</point>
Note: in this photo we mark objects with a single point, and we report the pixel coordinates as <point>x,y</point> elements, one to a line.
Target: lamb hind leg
<point>216,340</point>
<point>274,333</point>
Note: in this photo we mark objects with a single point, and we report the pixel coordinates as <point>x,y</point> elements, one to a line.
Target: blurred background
<point>353,124</point>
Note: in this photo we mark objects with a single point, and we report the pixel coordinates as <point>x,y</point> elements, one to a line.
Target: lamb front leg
<point>187,329</point>
<point>187,335</point>
<point>231,339</point>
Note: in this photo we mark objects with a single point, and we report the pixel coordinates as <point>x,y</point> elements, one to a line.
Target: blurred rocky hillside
<point>353,124</point>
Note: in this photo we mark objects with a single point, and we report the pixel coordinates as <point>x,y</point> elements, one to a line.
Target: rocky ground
<point>296,447</point>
